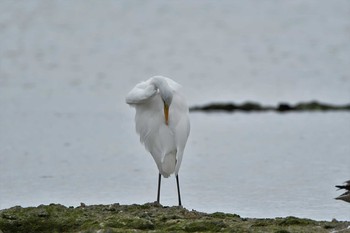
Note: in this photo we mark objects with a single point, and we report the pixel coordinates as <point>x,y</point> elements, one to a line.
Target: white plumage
<point>162,121</point>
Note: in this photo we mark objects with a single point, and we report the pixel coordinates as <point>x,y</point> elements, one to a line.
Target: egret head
<point>166,94</point>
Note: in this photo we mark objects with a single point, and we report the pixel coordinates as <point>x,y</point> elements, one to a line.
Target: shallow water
<point>67,136</point>
<point>255,165</point>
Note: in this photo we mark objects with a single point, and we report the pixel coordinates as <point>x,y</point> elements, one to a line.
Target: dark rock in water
<point>316,106</point>
<point>230,107</point>
<point>145,218</point>
<point>251,106</point>
<point>282,107</point>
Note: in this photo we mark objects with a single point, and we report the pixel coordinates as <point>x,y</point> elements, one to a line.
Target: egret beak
<point>166,113</point>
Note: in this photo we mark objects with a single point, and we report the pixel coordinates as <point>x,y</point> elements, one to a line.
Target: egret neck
<point>166,94</point>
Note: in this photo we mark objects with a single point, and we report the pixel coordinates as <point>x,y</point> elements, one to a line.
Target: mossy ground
<point>150,217</point>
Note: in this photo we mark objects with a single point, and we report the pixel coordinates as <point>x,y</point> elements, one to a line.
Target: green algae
<point>150,217</point>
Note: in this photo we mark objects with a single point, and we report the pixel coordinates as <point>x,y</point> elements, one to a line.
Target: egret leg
<point>159,180</point>
<point>178,189</point>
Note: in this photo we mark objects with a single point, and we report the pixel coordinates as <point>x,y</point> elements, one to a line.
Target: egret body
<point>162,121</point>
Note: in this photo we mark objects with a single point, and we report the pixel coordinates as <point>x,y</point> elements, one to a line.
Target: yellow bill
<point>166,113</point>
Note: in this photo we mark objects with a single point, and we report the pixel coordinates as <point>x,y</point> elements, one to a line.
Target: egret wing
<point>180,123</point>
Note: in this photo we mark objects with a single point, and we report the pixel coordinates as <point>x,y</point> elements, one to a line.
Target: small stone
<point>43,213</point>
<point>113,207</point>
<point>8,216</point>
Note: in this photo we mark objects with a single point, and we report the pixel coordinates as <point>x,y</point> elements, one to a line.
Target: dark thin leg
<point>178,189</point>
<point>158,196</point>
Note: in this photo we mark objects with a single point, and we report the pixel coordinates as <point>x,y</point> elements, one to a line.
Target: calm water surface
<point>255,165</point>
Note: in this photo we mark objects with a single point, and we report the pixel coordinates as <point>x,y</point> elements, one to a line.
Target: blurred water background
<point>67,136</point>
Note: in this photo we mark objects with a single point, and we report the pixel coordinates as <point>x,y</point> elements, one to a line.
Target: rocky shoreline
<point>149,217</point>
<point>249,106</point>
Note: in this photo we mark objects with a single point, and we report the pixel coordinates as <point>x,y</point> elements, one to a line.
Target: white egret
<point>162,121</point>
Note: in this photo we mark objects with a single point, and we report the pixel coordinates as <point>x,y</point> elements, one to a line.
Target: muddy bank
<point>282,107</point>
<point>148,217</point>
